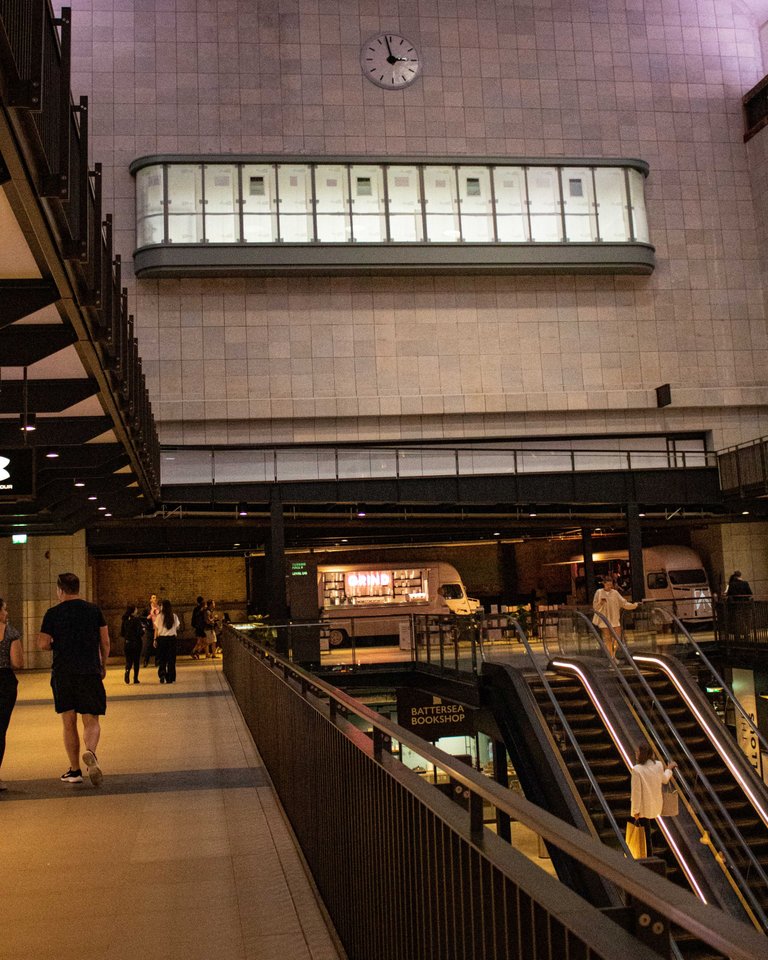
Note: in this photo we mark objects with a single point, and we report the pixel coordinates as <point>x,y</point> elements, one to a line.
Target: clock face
<point>390,61</point>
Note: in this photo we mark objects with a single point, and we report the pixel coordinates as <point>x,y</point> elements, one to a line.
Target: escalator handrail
<point>568,730</point>
<point>714,674</point>
<point>632,700</point>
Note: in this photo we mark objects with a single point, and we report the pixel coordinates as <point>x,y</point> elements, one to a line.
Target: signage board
<point>432,717</point>
<point>17,473</point>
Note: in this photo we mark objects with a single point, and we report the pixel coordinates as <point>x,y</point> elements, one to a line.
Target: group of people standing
<point>154,633</point>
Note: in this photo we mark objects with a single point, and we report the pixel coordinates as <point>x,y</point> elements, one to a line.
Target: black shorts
<point>83,693</point>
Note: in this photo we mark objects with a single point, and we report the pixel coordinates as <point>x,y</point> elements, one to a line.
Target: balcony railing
<point>744,468</point>
<point>51,133</point>
<point>190,465</point>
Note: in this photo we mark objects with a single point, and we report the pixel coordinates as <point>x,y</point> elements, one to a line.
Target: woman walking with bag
<point>166,628</point>
<point>11,658</point>
<point>648,777</point>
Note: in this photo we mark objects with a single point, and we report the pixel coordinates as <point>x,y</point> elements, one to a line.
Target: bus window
<point>657,581</point>
<point>687,577</point>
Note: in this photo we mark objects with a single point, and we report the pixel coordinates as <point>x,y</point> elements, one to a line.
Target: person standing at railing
<point>739,595</point>
<point>609,602</point>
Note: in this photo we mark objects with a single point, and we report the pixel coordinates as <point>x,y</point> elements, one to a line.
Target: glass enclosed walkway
<point>182,853</point>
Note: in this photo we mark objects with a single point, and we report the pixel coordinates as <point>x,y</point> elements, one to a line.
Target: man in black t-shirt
<point>77,633</point>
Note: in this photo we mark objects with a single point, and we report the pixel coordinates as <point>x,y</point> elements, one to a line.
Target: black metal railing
<point>743,468</point>
<point>406,870</point>
<point>52,135</point>
<point>742,624</point>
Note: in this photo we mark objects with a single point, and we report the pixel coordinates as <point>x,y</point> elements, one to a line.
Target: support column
<point>635,545</point>
<point>275,564</point>
<point>589,567</point>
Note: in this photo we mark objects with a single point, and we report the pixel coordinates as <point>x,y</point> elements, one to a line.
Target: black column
<point>275,570</point>
<point>589,567</point>
<point>635,542</point>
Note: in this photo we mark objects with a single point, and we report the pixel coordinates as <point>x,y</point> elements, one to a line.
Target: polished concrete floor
<point>182,853</point>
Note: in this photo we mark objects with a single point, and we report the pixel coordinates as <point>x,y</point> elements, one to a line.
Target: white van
<point>674,576</point>
<point>367,600</point>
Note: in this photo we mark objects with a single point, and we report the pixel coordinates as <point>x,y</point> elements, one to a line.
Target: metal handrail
<point>705,922</point>
<point>730,869</point>
<point>714,674</point>
<point>596,788</point>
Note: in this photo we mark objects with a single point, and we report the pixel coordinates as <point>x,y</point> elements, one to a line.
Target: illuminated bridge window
<point>203,216</point>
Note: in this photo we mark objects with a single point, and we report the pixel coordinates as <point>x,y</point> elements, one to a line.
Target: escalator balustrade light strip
<point>678,853</point>
<point>710,733</point>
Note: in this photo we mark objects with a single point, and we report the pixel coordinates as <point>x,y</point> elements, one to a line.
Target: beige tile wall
<point>283,360</point>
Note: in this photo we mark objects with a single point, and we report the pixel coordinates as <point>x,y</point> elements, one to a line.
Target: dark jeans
<point>646,824</point>
<point>8,689</point>
<point>132,659</point>
<point>166,659</point>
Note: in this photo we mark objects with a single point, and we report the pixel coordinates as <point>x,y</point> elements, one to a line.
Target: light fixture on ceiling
<point>92,497</point>
<point>52,455</point>
<point>242,509</point>
<point>79,483</point>
<point>27,422</point>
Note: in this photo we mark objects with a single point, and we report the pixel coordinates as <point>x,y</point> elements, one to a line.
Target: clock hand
<point>391,58</point>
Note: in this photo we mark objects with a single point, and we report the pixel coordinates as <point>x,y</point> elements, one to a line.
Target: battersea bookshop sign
<point>432,717</point>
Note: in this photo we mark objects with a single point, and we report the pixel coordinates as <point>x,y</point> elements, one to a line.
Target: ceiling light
<point>531,514</point>
<point>242,509</point>
<point>92,497</point>
<point>107,514</point>
<point>102,508</point>
<point>79,483</point>
<point>361,513</point>
<point>745,513</point>
<point>52,455</point>
<point>28,423</point>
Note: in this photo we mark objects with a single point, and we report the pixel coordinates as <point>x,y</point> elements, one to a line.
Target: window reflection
<point>303,202</point>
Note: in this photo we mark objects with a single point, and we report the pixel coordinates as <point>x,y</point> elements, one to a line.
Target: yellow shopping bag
<point>635,838</point>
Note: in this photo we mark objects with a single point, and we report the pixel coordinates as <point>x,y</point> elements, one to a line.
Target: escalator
<point>664,687</point>
<point>593,743</point>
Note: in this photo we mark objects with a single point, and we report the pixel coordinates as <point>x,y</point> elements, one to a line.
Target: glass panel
<point>487,461</point>
<point>405,223</point>
<point>475,204</point>
<point>368,211</point>
<point>543,462</point>
<point>243,466</point>
<point>637,193</point>
<point>309,464</point>
<point>332,203</point>
<point>595,460</point>
<point>441,204</point>
<point>149,230</point>
<point>185,188</point>
<point>259,203</point>
<point>221,207</point>
<point>294,186</point>
<point>149,191</point>
<point>186,466</point>
<point>426,463</point>
<point>579,205</point>
<point>611,204</point>
<point>544,197</point>
<point>511,209</point>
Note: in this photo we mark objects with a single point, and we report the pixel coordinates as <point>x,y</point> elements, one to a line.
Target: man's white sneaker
<point>92,768</point>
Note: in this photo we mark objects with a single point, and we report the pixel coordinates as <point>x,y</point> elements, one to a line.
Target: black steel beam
<point>20,298</point>
<point>21,345</point>
<point>54,431</point>
<point>45,396</point>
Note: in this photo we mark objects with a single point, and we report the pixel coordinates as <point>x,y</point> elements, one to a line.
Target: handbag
<point>670,801</point>
<point>635,837</point>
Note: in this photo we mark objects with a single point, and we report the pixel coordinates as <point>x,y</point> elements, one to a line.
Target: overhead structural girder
<point>20,298</point>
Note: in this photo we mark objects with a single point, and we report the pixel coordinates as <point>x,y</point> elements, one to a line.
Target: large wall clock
<point>390,61</point>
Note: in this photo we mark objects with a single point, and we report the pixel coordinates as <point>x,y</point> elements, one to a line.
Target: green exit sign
<point>299,569</point>
<point>18,538</point>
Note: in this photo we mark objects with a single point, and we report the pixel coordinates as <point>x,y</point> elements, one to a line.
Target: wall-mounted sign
<point>432,717</point>
<point>744,691</point>
<point>17,473</point>
<point>301,588</point>
<point>18,538</point>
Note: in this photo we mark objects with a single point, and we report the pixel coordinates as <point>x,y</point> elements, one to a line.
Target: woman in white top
<point>610,603</point>
<point>648,777</point>
<point>166,628</point>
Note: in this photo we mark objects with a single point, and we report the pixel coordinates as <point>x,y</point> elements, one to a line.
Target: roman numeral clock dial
<point>390,61</point>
